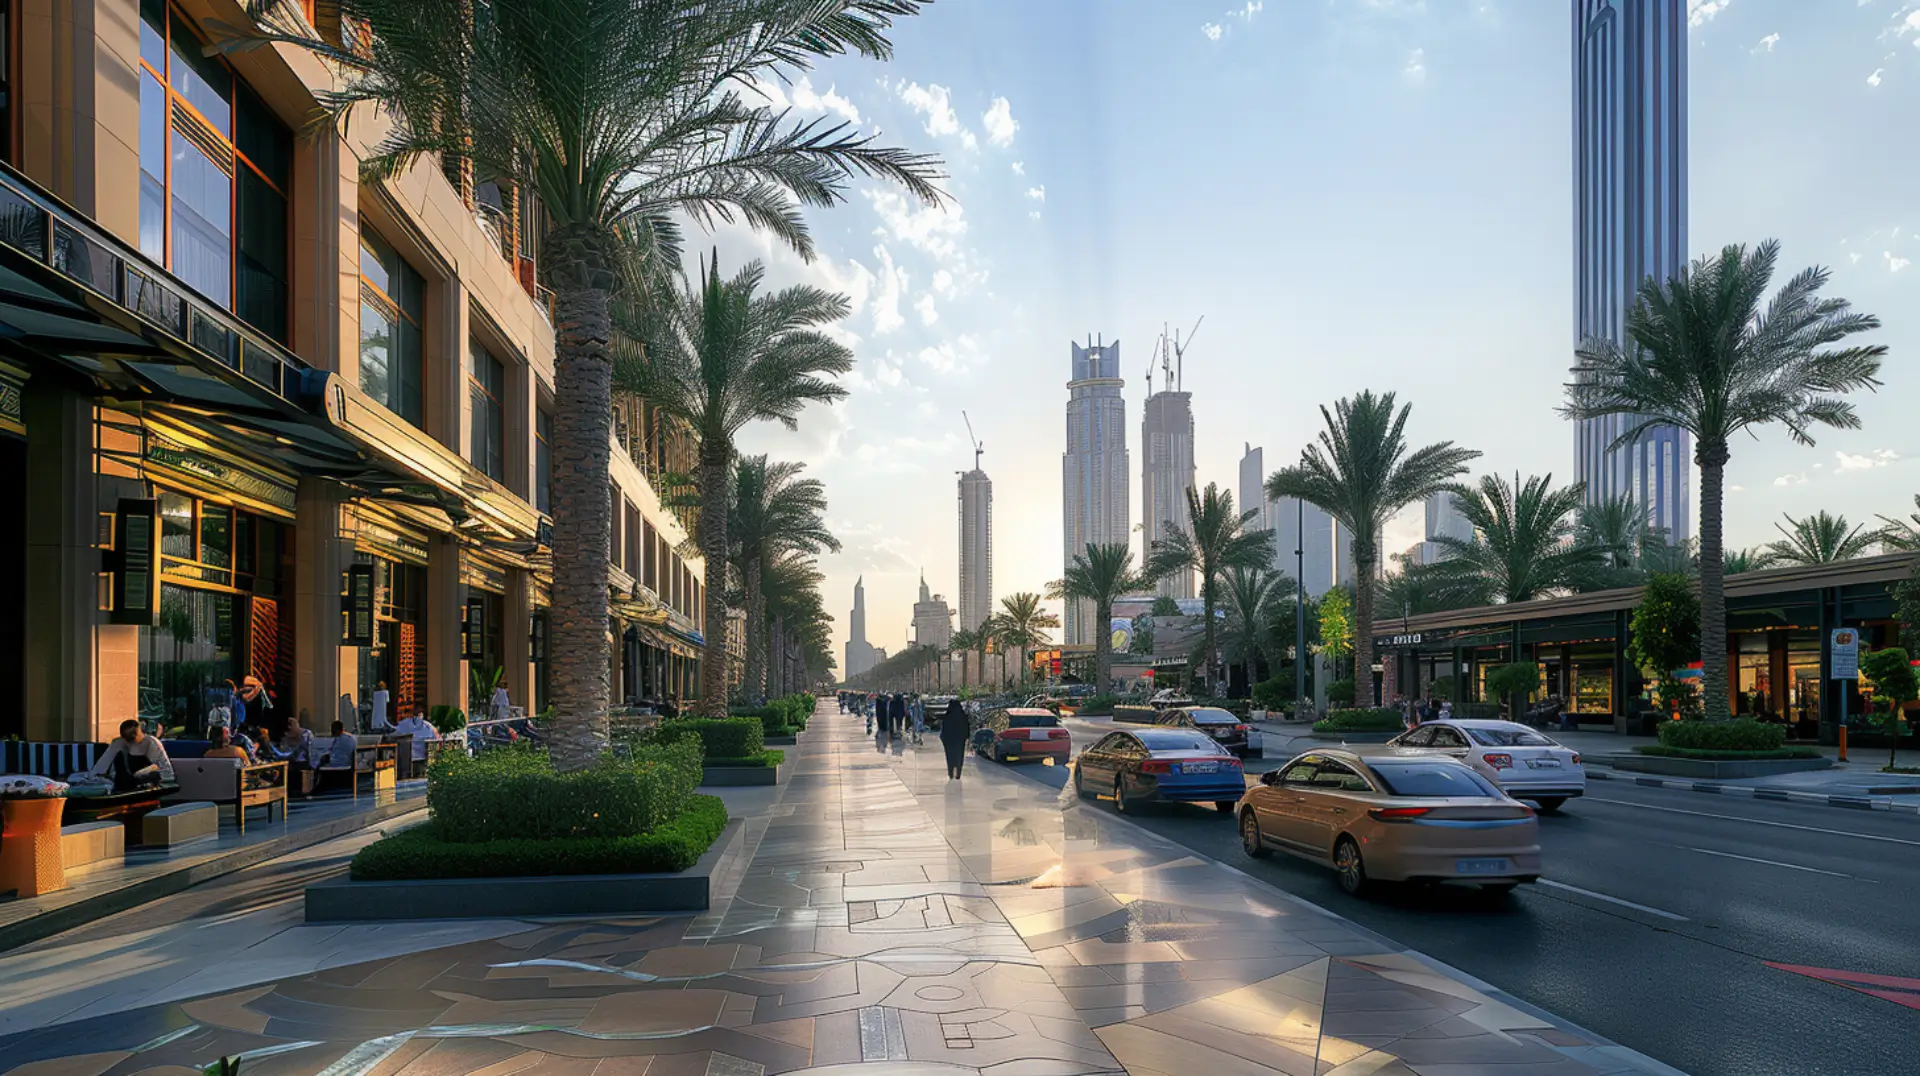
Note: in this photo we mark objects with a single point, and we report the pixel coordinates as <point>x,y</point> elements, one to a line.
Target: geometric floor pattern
<point>878,919</point>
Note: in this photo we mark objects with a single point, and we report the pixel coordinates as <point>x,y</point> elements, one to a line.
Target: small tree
<point>1894,685</point>
<point>1666,638</point>
<point>1164,606</point>
<point>1516,681</point>
<point>1906,607</point>
<point>1336,627</point>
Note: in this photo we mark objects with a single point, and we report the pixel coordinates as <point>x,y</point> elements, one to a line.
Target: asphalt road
<point>1657,919</point>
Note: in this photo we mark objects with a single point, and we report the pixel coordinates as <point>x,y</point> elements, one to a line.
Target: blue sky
<point>1355,193</point>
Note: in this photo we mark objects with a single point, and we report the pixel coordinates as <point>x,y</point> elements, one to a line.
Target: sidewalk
<point>875,914</point>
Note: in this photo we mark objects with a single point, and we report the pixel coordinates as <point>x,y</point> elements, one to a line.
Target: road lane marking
<point>1755,821</point>
<point>1768,862</point>
<point>1613,900</point>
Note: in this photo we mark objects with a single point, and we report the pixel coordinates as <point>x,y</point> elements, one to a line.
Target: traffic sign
<point>1844,654</point>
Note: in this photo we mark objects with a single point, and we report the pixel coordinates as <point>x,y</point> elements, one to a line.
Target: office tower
<point>932,618</point>
<point>1314,565</point>
<point>1630,222</point>
<point>976,548</point>
<point>1341,552</point>
<point>1443,521</point>
<point>1252,495</point>
<point>1166,474</point>
<point>861,655</point>
<point>1093,470</point>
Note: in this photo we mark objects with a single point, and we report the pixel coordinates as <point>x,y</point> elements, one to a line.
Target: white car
<point>1168,698</point>
<point>1524,763</point>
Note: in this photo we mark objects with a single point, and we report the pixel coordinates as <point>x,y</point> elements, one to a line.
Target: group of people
<point>1414,711</point>
<point>896,713</point>
<point>137,759</point>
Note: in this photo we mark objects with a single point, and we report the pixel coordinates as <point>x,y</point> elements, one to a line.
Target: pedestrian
<point>897,715</point>
<point>919,719</point>
<point>866,707</point>
<point>953,737</point>
<point>501,704</point>
<point>382,701</point>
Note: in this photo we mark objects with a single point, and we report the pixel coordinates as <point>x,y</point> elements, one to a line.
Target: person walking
<point>953,737</point>
<point>866,707</point>
<point>919,719</point>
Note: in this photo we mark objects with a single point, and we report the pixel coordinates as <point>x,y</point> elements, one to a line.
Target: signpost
<point>1843,658</point>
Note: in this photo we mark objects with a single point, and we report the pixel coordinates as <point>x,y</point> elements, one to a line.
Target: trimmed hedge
<point>1378,720</point>
<point>1662,751</point>
<point>780,717</point>
<point>1744,734</point>
<point>771,756</point>
<point>1097,706</point>
<point>514,792</point>
<point>426,851</point>
<point>731,737</point>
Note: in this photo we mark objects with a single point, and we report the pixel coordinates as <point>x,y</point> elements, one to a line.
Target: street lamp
<point>1300,610</point>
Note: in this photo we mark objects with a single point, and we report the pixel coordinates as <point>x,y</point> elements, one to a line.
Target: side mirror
<point>1271,777</point>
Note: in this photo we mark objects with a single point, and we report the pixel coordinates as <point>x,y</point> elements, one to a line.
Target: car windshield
<point>1508,738</point>
<point>1178,740</point>
<point>1213,717</point>
<point>1429,779</point>
<point>1033,721</point>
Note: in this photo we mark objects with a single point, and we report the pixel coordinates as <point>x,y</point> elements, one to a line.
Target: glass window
<point>153,168</point>
<point>176,526</point>
<point>1422,737</point>
<point>486,386</point>
<point>1509,738</point>
<point>202,222</point>
<point>1177,740</point>
<point>1300,773</point>
<point>543,462</point>
<point>1032,721</point>
<point>391,298</point>
<point>1432,779</point>
<point>1338,776</point>
<point>204,81</point>
<point>216,535</point>
<point>153,34</point>
<point>187,659</point>
<point>1211,716</point>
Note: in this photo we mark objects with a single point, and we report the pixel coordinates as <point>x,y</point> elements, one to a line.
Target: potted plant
<point>30,807</point>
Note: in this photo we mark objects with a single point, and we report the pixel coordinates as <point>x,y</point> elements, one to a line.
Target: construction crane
<point>978,445</point>
<point>1180,352</point>
<point>1171,355</point>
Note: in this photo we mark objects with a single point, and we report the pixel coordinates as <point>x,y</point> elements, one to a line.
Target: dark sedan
<point>1170,765</point>
<point>1221,725</point>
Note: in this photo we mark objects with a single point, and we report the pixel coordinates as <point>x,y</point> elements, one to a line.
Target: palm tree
<point>1024,624</point>
<point>774,512</point>
<point>1214,540</point>
<point>1744,560</point>
<point>1522,546</point>
<point>720,356</point>
<point>1614,529</point>
<point>1705,356</point>
<point>791,585</point>
<point>1414,588</point>
<point>1902,535</point>
<point>1817,539</point>
<point>1362,472</point>
<point>619,115</point>
<point>1101,575</point>
<point>1252,596</point>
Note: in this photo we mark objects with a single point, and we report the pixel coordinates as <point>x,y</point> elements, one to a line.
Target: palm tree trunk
<point>755,687</point>
<point>577,265</point>
<point>1712,457</point>
<point>1102,648</point>
<point>1363,557</point>
<point>1207,644</point>
<point>716,474</point>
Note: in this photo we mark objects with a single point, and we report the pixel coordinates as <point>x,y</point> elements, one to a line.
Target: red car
<point>1022,732</point>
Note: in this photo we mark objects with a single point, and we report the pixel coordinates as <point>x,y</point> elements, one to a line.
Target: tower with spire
<point>860,653</point>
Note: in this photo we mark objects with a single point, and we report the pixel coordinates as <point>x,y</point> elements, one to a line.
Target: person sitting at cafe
<point>220,745</point>
<point>296,743</point>
<point>421,730</point>
<point>135,760</point>
<point>339,754</point>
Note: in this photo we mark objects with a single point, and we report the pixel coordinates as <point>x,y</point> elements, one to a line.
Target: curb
<point>1777,795</point>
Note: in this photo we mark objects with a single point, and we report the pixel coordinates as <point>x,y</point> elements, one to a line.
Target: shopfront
<point>390,559</point>
<point>483,628</point>
<point>13,550</point>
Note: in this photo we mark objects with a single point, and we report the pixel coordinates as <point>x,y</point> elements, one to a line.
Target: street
<point>1657,920</point>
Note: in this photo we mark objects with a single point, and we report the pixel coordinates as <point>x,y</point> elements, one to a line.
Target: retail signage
<point>1413,639</point>
<point>136,567</point>
<point>356,606</point>
<point>473,630</point>
<point>1844,654</point>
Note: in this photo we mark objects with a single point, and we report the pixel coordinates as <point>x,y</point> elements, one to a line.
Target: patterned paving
<point>883,917</point>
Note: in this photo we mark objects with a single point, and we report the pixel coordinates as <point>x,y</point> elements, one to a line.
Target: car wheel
<point>1079,786</point>
<point>1120,796</point>
<point>1351,870</point>
<point>1498,889</point>
<point>1551,804</point>
<point>1224,806</point>
<point>1250,842</point>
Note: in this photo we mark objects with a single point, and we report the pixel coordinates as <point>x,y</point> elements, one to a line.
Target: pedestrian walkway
<point>876,914</point>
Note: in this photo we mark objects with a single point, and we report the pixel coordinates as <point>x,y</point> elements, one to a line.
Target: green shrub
<point>771,756</point>
<point>1341,691</point>
<point>511,792</point>
<point>1663,751</point>
<point>425,851</point>
<point>775,718</point>
<point>1274,694</point>
<point>447,720</point>
<point>731,737</point>
<point>1477,711</point>
<point>1383,719</point>
<point>1744,734</point>
<point>1097,706</point>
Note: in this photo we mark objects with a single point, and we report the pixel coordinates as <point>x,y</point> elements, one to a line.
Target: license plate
<point>1037,734</point>
<point>1199,767</point>
<point>1543,763</point>
<point>1480,866</point>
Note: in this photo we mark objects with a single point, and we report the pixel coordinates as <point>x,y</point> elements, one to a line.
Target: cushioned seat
<point>178,823</point>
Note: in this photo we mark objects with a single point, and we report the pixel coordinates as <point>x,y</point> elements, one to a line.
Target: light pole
<point>1300,609</point>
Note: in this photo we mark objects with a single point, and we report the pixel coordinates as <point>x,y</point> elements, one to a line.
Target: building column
<point>79,106</point>
<point>446,606</point>
<point>516,637</point>
<point>324,670</point>
<point>61,565</point>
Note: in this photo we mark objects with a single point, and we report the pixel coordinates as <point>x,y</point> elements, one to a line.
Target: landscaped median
<point>733,749</point>
<point>1376,725</point>
<point>1721,749</point>
<point>509,835</point>
<point>782,720</point>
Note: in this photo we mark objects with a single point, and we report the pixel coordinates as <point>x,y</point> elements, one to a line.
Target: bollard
<point>1843,743</point>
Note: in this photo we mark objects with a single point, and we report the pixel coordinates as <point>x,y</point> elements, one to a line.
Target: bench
<point>92,842</point>
<point>233,780</point>
<point>178,823</point>
<point>56,760</point>
<point>378,761</point>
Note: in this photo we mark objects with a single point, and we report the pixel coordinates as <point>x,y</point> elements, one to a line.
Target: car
<point>1168,765</point>
<point>1022,732</point>
<point>1392,815</point>
<point>1227,730</point>
<point>1169,697</point>
<point>1528,764</point>
<point>1049,703</point>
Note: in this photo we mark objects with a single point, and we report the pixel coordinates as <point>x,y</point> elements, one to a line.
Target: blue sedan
<point>1167,765</point>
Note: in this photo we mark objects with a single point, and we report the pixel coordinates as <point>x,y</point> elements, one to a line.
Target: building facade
<point>1630,223</point>
<point>1443,521</point>
<point>976,549</point>
<point>861,655</point>
<point>1094,468</point>
<point>932,619</point>
<point>1303,535</point>
<point>263,416</point>
<point>1166,474</point>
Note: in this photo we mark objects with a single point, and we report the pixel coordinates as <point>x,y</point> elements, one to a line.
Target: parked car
<point>1049,703</point>
<point>1525,762</point>
<point>1226,730</point>
<point>1022,732</point>
<point>1392,815</point>
<point>1172,765</point>
<point>1167,697</point>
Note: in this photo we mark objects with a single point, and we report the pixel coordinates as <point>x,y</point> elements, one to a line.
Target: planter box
<point>1716,770</point>
<point>342,900</point>
<point>738,776</point>
<point>1354,737</point>
<point>782,741</point>
<point>1137,715</point>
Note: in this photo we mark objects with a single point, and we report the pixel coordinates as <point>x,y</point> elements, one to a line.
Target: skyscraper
<point>1093,470</point>
<point>1630,222</point>
<point>860,653</point>
<point>1166,474</point>
<point>932,618</point>
<point>1443,521</point>
<point>976,548</point>
<point>1285,518</point>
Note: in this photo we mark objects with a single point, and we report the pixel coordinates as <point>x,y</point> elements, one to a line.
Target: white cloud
<point>1701,12</point>
<point>1874,79</point>
<point>935,230</point>
<point>1791,479</point>
<point>925,308</point>
<point>1019,168</point>
<point>1894,264</point>
<point>1736,489</point>
<point>1038,194</point>
<point>1416,69</point>
<point>935,102</point>
<point>943,282</point>
<point>1767,43</point>
<point>958,355</point>
<point>893,283</point>
<point>1212,30</point>
<point>1879,457</point>
<point>802,97</point>
<point>1248,11</point>
<point>1855,256</point>
<point>999,122</point>
<point>1033,214</point>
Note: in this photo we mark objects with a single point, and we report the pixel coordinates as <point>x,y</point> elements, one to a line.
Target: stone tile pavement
<point>876,917</point>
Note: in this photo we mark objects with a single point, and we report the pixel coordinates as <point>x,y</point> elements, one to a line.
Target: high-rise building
<point>1166,474</point>
<point>1443,521</point>
<point>932,618</point>
<point>1290,521</point>
<point>861,655</point>
<point>1093,470</point>
<point>1630,223</point>
<point>976,548</point>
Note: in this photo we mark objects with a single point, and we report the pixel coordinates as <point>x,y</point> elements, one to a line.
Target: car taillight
<point>1498,761</point>
<point>1154,765</point>
<point>1398,814</point>
<point>1230,763</point>
<point>1576,758</point>
<point>1239,728</point>
<point>1058,734</point>
<point>1013,734</point>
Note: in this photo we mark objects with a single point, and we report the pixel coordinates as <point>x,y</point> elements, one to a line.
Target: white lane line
<point>1755,821</point>
<point>1613,900</point>
<point>1768,862</point>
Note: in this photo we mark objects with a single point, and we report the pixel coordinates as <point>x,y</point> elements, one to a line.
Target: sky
<point>1354,194</point>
